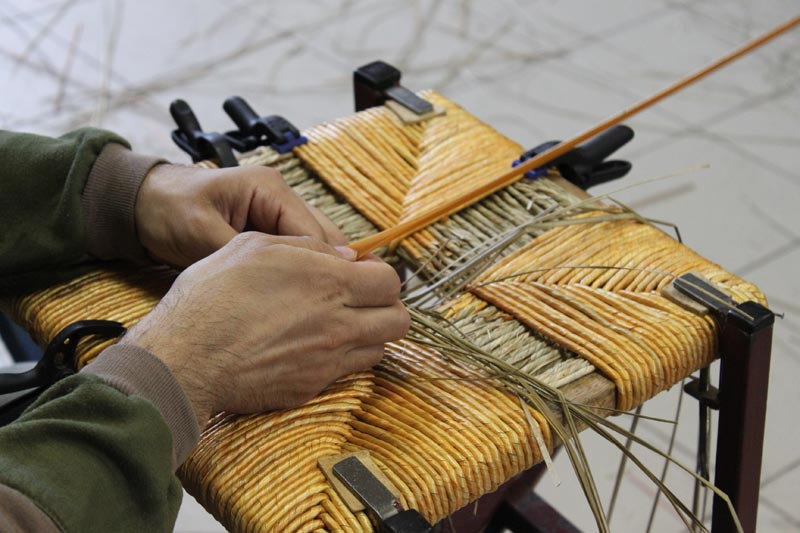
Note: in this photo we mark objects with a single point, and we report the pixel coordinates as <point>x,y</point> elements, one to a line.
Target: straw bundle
<point>595,289</point>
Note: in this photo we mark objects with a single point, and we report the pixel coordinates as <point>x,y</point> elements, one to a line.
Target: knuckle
<point>245,238</point>
<point>391,280</point>
<point>306,241</point>
<point>242,239</point>
<point>269,178</point>
<point>309,242</point>
<point>334,292</point>
<point>334,287</point>
<point>251,241</point>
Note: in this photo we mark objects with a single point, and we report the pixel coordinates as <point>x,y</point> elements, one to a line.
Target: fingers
<point>371,284</point>
<point>333,235</point>
<point>184,214</point>
<point>275,208</point>
<point>360,359</point>
<point>379,325</point>
<point>260,242</point>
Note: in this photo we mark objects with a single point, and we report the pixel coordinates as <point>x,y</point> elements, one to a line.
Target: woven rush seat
<point>561,302</point>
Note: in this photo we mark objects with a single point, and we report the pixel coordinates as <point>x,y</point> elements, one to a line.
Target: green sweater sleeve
<point>43,229</point>
<point>63,199</point>
<point>93,459</point>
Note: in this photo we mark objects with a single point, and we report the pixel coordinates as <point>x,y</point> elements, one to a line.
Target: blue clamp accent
<point>534,174</point>
<point>292,141</point>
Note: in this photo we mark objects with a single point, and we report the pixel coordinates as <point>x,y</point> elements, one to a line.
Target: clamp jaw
<point>378,81</point>
<point>585,166</point>
<point>383,507</point>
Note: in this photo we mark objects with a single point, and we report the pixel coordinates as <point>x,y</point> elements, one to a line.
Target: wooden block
<point>326,465</point>
<point>408,116</point>
<point>677,297</point>
<point>690,304</point>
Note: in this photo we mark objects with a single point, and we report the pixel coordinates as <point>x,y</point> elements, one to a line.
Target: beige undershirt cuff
<point>18,514</point>
<point>136,372</point>
<point>108,203</point>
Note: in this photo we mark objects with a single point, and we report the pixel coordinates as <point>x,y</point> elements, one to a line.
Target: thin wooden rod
<point>412,225</point>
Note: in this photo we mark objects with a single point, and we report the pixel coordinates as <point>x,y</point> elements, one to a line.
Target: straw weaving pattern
<point>407,414</point>
<point>119,294</point>
<point>259,473</point>
<point>391,172</point>
<point>558,304</point>
<point>606,307</point>
<point>422,417</point>
<point>311,189</point>
<point>603,302</point>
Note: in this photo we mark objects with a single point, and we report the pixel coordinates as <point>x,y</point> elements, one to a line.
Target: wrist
<point>155,336</point>
<point>135,371</point>
<point>184,375</point>
<point>108,201</point>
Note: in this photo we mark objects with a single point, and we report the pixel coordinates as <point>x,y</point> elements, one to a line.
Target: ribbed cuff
<point>19,514</point>
<point>136,372</point>
<point>108,202</point>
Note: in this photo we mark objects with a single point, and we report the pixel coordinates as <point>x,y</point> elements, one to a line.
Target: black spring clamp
<point>585,166</point>
<point>255,131</point>
<point>200,145</point>
<point>57,363</point>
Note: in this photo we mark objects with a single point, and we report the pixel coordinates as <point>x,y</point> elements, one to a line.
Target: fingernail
<point>347,253</point>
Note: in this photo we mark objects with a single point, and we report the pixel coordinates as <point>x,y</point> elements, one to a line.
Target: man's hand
<point>267,322</point>
<point>185,213</point>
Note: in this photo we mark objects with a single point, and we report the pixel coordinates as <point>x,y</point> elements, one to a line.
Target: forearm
<point>62,200</point>
<point>92,456</point>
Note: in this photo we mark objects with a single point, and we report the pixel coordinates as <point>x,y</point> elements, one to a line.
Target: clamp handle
<point>200,145</point>
<point>245,118</point>
<point>58,360</point>
<point>586,164</point>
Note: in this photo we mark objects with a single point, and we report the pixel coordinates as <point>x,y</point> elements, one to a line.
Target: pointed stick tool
<point>412,225</point>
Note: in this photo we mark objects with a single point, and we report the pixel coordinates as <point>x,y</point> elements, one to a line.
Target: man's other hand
<point>183,214</point>
<point>267,322</point>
